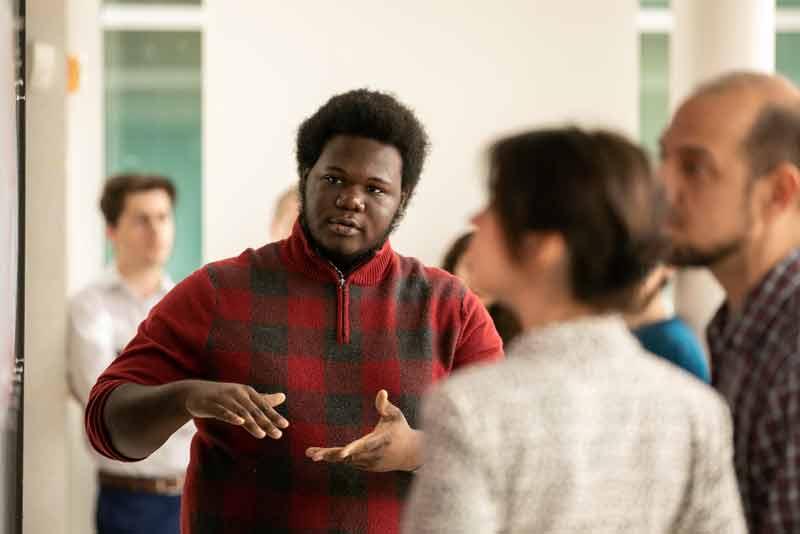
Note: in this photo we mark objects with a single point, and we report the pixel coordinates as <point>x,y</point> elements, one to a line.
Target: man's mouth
<point>344,226</point>
<point>675,221</point>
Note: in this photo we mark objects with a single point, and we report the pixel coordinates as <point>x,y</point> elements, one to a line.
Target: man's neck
<point>143,281</point>
<point>740,274</point>
<point>344,264</point>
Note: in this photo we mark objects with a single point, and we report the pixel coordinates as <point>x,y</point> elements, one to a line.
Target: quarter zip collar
<point>297,252</point>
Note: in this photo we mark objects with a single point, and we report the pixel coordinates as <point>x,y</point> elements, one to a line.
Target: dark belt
<point>159,486</point>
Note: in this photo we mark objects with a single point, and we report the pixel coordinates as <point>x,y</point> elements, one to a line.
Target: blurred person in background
<point>138,211</point>
<point>660,331</point>
<point>287,208</point>
<point>579,429</point>
<point>731,164</point>
<point>456,263</point>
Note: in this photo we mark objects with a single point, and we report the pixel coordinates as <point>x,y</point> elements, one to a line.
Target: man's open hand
<point>391,446</point>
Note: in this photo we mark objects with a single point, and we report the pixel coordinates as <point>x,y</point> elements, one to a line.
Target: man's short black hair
<point>370,114</point>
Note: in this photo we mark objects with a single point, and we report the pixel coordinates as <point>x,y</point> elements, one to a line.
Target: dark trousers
<point>126,512</point>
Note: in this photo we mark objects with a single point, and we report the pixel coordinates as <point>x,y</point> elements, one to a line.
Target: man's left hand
<point>391,446</point>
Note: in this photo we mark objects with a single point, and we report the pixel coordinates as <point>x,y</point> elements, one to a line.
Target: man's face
<point>707,177</point>
<point>144,233</point>
<point>352,195</point>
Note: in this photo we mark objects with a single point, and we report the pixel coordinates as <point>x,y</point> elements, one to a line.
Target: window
<point>654,66</point>
<point>653,88</point>
<point>153,110</point>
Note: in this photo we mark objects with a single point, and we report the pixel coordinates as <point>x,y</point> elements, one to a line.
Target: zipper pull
<point>338,273</point>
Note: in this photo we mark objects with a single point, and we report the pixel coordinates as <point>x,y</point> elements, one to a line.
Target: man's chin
<point>348,257</point>
<point>683,256</point>
<point>157,262</point>
<point>688,258</point>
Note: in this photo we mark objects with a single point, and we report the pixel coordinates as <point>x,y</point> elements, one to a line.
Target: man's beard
<point>688,256</point>
<point>347,263</point>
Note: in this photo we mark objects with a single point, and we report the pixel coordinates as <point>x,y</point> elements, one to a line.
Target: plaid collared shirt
<point>755,359</point>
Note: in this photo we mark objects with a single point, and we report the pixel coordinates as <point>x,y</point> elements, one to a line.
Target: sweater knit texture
<point>282,319</point>
<point>579,431</point>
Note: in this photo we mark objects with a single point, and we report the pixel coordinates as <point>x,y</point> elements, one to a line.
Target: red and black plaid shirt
<point>756,366</point>
<point>281,319</point>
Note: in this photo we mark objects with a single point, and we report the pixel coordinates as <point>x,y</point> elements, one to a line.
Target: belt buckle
<point>167,485</point>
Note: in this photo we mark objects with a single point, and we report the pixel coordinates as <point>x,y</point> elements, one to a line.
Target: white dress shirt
<point>103,318</point>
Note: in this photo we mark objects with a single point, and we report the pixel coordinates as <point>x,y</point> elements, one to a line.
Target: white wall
<point>471,71</point>
<point>85,164</point>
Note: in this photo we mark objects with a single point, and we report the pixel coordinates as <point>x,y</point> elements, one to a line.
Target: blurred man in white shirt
<point>138,211</point>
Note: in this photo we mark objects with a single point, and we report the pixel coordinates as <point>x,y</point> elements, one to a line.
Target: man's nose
<point>350,199</point>
<point>666,174</point>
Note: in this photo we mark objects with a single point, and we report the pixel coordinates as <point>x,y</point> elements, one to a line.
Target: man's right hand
<point>236,404</point>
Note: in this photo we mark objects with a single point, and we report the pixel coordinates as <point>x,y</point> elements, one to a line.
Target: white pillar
<point>45,459</point>
<point>84,224</point>
<point>711,37</point>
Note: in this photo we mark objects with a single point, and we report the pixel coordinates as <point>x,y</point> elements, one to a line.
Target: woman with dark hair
<point>456,263</point>
<point>580,429</point>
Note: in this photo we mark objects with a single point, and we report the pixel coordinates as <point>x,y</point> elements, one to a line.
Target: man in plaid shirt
<point>731,162</point>
<point>303,342</point>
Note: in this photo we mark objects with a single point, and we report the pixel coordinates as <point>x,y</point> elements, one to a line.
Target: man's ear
<point>111,232</point>
<point>785,188</point>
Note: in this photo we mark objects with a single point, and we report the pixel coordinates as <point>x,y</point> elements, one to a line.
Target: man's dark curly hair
<point>364,113</point>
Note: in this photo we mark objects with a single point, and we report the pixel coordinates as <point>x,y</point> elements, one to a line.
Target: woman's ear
<point>543,249</point>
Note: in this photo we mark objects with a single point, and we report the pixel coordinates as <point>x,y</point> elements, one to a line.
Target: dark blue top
<point>674,340</point>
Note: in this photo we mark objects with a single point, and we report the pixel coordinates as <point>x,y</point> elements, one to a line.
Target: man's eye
<point>331,179</point>
<point>691,168</point>
<point>375,190</point>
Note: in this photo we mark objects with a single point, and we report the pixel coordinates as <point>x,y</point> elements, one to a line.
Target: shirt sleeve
<point>451,492</point>
<point>478,340</point>
<point>90,347</point>
<point>775,466</point>
<point>169,346</point>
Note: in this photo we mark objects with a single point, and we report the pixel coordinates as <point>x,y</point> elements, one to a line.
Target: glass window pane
<point>153,92</point>
<point>787,58</point>
<point>653,88</point>
<point>654,3</point>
